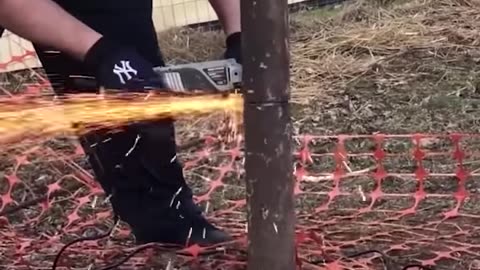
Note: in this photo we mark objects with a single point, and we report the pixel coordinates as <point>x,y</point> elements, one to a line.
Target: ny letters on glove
<point>122,68</point>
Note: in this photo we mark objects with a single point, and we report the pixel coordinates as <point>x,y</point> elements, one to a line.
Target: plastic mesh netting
<point>363,202</point>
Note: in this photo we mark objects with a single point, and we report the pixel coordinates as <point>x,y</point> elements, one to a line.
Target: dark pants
<point>136,167</point>
<point>143,182</point>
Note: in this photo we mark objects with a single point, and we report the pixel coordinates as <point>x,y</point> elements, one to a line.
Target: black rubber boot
<point>139,170</point>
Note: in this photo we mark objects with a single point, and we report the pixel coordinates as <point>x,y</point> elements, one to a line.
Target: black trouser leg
<point>152,144</point>
<point>137,167</point>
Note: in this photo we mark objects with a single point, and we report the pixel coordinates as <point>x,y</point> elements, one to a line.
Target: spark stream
<point>26,117</point>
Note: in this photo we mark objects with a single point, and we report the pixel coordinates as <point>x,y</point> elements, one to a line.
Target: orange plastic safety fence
<point>401,195</point>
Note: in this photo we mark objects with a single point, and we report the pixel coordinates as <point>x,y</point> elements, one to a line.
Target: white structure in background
<point>166,14</point>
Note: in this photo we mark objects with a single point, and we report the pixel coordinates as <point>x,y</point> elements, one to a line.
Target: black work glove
<point>234,47</point>
<point>121,68</point>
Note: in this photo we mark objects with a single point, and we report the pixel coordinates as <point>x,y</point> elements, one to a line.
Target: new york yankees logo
<point>124,70</point>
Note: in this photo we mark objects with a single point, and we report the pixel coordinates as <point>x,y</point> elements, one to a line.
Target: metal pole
<point>268,135</point>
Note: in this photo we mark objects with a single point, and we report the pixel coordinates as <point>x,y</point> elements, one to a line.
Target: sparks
<point>275,227</point>
<point>133,147</point>
<point>175,196</point>
<point>31,118</point>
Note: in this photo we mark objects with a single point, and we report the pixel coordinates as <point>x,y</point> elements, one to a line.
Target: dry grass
<point>400,44</point>
<point>411,67</point>
<point>180,45</point>
<point>363,42</point>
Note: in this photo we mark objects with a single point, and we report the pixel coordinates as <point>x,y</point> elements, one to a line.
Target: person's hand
<point>121,68</point>
<point>234,47</point>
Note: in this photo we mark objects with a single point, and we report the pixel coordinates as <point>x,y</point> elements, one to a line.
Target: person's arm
<point>46,23</point>
<point>228,13</point>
